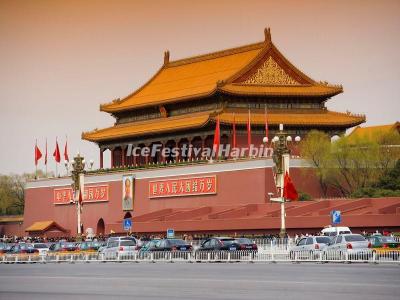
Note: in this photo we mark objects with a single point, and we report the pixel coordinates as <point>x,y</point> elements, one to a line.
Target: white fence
<point>263,256</point>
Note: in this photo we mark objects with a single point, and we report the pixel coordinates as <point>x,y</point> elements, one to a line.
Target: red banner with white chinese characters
<point>183,187</point>
<point>96,193</point>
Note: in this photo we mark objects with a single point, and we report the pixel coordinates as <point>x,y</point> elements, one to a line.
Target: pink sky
<point>60,59</point>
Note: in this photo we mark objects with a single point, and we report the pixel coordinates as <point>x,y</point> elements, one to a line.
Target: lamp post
<point>281,158</point>
<point>77,174</point>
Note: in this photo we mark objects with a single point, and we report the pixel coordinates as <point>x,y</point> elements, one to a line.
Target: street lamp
<point>91,162</point>
<point>77,174</point>
<point>281,158</point>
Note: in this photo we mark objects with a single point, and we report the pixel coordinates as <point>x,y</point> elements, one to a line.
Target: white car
<point>42,247</point>
<point>309,247</point>
<point>120,248</point>
<point>116,238</point>
<point>354,246</point>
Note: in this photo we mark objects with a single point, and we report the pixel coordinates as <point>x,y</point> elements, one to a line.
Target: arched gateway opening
<point>100,227</point>
<point>128,215</point>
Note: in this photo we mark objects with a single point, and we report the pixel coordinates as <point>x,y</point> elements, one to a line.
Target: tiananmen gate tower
<point>180,103</point>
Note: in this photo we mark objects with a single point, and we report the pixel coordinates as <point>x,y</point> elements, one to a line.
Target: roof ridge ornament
<point>220,83</point>
<point>166,57</point>
<point>267,34</point>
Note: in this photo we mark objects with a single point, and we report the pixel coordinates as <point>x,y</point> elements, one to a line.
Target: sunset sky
<point>59,60</point>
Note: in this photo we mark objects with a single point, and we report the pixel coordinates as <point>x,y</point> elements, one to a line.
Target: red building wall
<point>234,187</point>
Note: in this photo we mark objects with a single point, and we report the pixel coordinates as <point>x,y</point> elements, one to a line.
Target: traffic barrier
<point>252,256</point>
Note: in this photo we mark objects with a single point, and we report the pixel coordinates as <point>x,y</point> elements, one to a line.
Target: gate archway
<point>128,215</point>
<point>100,227</point>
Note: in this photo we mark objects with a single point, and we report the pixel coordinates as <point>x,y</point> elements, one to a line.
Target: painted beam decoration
<point>95,193</point>
<point>183,187</point>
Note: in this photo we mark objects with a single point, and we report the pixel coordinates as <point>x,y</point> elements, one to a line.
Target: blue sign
<point>127,224</point>
<point>336,217</point>
<point>170,233</point>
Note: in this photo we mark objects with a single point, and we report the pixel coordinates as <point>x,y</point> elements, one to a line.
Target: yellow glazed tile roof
<point>321,118</point>
<point>148,127</point>
<point>204,75</point>
<point>188,78</point>
<point>10,219</point>
<point>40,226</point>
<point>299,90</point>
<point>372,132</point>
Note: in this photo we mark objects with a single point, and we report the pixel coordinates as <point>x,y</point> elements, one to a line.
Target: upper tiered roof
<point>255,69</point>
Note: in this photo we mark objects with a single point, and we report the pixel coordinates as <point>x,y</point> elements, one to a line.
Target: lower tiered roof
<point>300,118</point>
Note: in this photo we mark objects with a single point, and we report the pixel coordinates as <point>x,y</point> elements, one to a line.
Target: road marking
<point>160,279</point>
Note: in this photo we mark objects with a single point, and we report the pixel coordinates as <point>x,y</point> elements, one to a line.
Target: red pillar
<point>179,156</point>
<point>189,154</point>
<point>101,158</point>
<point>123,156</point>
<point>203,145</point>
<point>112,158</point>
<point>146,158</point>
<point>134,159</point>
<point>162,157</point>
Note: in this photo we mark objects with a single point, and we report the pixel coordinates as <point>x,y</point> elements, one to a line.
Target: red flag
<point>216,138</point>
<point>66,158</point>
<point>266,123</point>
<point>45,156</point>
<point>289,191</point>
<point>249,131</point>
<point>80,199</point>
<point>38,154</point>
<point>56,153</point>
<point>234,131</point>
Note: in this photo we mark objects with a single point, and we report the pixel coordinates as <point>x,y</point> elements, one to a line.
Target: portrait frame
<point>128,188</point>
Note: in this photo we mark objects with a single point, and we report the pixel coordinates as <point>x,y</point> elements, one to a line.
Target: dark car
<point>63,247</point>
<point>23,248</point>
<point>5,248</point>
<point>246,244</point>
<point>148,246</point>
<point>168,245</point>
<point>90,246</point>
<point>220,243</point>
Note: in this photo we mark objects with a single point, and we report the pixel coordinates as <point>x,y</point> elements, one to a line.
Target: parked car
<point>385,246</point>
<point>5,248</point>
<point>168,245</point>
<point>246,244</point>
<point>117,238</point>
<point>42,248</point>
<point>23,248</point>
<point>309,247</point>
<point>219,243</point>
<point>354,245</point>
<point>89,246</point>
<point>63,247</point>
<point>120,248</point>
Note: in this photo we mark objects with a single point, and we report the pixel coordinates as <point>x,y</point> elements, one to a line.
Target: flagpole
<point>35,159</point>
<point>45,159</point>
